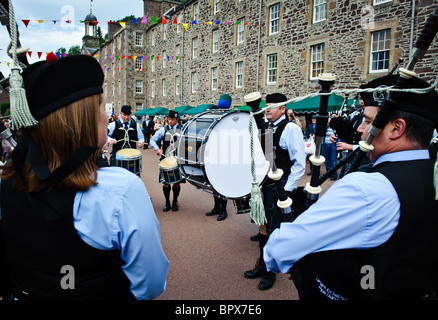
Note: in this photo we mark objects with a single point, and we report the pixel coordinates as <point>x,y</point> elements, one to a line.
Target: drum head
<point>127,153</point>
<point>168,162</point>
<point>227,156</point>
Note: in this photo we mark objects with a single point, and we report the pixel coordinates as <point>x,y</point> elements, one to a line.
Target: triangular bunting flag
<point>30,54</point>
<point>154,19</point>
<point>122,24</point>
<point>163,20</point>
<point>26,22</point>
<point>185,26</point>
<point>39,54</point>
<point>144,20</point>
<point>40,21</point>
<point>134,20</point>
<point>175,21</point>
<point>194,22</point>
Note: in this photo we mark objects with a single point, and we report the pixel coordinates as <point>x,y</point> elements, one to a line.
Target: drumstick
<point>129,140</point>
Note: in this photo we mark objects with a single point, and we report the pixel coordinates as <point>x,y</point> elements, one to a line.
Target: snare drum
<point>169,170</point>
<point>214,153</point>
<point>129,159</point>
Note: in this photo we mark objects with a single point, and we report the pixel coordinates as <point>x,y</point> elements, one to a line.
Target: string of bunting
<point>143,20</point>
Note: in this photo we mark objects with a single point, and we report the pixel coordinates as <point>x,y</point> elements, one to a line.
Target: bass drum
<point>214,153</point>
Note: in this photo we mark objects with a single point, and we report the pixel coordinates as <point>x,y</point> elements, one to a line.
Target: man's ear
<point>398,128</point>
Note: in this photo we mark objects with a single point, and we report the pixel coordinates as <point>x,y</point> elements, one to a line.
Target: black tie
<point>126,125</point>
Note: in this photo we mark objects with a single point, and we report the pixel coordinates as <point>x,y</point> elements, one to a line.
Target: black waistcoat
<point>282,159</point>
<point>404,267</point>
<point>169,135</point>
<point>119,133</point>
<point>40,239</point>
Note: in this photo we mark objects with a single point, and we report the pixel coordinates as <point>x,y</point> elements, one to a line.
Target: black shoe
<point>166,207</point>
<point>175,206</point>
<point>212,212</point>
<point>267,281</point>
<point>222,216</point>
<point>257,272</point>
<point>255,237</point>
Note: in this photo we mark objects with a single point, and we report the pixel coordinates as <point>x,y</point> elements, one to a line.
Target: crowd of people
<point>60,207</point>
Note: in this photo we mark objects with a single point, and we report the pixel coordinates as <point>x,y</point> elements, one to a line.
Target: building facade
<point>200,49</point>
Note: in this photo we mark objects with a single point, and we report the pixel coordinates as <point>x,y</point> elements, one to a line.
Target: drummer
<point>168,134</point>
<point>122,128</point>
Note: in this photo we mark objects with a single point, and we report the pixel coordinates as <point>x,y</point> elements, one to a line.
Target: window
<point>376,2</point>
<point>164,59</point>
<point>272,69</point>
<point>153,38</point>
<point>274,19</point>
<point>319,10</point>
<point>194,48</point>
<point>239,74</point>
<point>215,45</point>
<point>193,82</point>
<point>139,39</point>
<point>138,86</point>
<point>138,106</point>
<point>164,31</point>
<point>153,65</point>
<point>138,64</point>
<point>379,53</point>
<point>216,6</point>
<point>241,31</point>
<point>214,79</point>
<point>164,87</point>
<point>178,23</point>
<point>316,60</point>
<point>152,89</point>
<point>178,52</point>
<point>177,85</point>
<point>195,12</point>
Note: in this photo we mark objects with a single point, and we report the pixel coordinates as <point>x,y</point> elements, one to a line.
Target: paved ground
<point>208,257</point>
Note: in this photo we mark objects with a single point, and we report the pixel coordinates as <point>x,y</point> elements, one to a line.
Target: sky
<point>48,36</point>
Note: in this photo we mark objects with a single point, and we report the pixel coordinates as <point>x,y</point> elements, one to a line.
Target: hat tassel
<point>20,112</point>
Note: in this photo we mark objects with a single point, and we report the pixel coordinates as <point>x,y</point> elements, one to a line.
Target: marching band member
<point>63,216</point>
<point>290,157</point>
<point>372,234</point>
<point>122,128</point>
<point>168,134</point>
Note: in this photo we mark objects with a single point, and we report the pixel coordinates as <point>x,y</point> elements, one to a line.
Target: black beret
<point>275,98</point>
<point>126,109</point>
<point>422,104</point>
<point>57,83</point>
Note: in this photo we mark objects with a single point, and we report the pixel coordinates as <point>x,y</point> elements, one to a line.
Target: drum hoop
<point>130,157</point>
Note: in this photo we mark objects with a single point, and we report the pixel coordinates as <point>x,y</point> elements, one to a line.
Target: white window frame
<point>378,47</point>
<point>272,69</point>
<point>193,78</point>
<point>164,31</point>
<point>178,53</point>
<point>152,89</point>
<point>139,39</point>
<point>153,65</point>
<point>164,59</point>
<point>319,10</point>
<point>178,23</point>
<point>241,31</point>
<point>239,74</point>
<point>274,19</point>
<point>138,86</point>
<point>195,11</point>
<point>153,38</point>
<point>317,54</point>
<point>214,79</point>
<point>194,47</point>
<point>177,85</point>
<point>138,63</point>
<point>163,82</point>
<point>377,2</point>
<point>215,40</point>
<point>216,6</point>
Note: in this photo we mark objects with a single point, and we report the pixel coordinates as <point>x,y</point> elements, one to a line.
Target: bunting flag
<point>163,20</point>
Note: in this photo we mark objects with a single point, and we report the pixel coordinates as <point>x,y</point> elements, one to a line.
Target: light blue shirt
<point>160,135</point>
<point>359,211</point>
<point>112,126</point>
<point>118,214</point>
<point>291,139</point>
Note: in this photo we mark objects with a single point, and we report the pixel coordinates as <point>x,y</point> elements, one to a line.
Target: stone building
<point>241,46</point>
